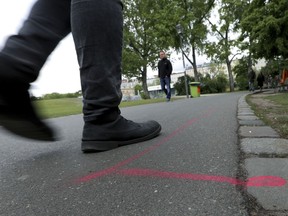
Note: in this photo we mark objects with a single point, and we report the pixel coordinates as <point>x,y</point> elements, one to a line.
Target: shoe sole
<point>95,146</point>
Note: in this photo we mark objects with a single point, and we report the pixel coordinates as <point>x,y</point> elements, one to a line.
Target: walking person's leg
<point>167,81</point>
<point>97,32</point>
<point>22,58</point>
<point>163,84</point>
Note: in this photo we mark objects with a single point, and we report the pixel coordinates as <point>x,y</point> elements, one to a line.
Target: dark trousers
<point>165,86</point>
<point>96,26</point>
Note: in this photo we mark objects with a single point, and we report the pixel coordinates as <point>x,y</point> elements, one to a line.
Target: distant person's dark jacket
<point>260,79</point>
<point>164,68</point>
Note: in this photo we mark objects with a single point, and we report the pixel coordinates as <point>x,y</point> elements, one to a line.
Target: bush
<point>138,88</point>
<point>241,73</point>
<point>56,95</point>
<point>242,82</point>
<point>144,96</point>
<point>215,85</point>
<point>180,85</point>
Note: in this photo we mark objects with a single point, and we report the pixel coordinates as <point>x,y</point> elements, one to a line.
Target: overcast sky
<point>61,72</point>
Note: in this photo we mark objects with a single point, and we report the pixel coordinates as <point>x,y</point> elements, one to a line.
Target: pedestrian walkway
<point>265,154</point>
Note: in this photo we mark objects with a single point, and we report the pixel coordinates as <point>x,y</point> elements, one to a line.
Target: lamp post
<point>179,30</point>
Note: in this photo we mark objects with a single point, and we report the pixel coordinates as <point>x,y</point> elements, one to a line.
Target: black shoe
<point>17,114</point>
<point>102,137</point>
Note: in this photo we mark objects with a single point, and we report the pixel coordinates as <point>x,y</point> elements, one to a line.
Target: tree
<point>274,67</point>
<point>216,68</point>
<point>147,30</point>
<point>216,84</point>
<point>266,23</point>
<point>192,13</point>
<point>138,89</point>
<point>240,70</point>
<point>225,30</point>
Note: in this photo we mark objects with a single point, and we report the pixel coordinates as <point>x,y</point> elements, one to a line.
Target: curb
<point>264,155</point>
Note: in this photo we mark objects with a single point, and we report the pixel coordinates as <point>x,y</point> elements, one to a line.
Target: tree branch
<point>215,28</point>
<point>187,57</point>
<point>234,57</point>
<point>210,5</point>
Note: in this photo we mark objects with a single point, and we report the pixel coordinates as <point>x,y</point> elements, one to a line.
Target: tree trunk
<point>249,63</point>
<point>195,65</point>
<point>144,82</point>
<point>231,79</point>
<point>249,56</point>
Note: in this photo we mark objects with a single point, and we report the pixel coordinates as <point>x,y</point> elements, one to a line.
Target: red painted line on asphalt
<point>257,181</point>
<point>165,174</point>
<point>114,168</point>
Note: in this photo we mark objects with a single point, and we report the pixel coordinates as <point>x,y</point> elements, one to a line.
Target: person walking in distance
<point>164,73</point>
<point>251,78</point>
<point>260,80</point>
<point>97,29</point>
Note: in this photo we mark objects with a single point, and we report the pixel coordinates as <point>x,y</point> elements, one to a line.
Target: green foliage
<point>138,88</point>
<point>227,45</point>
<point>266,22</point>
<point>132,64</point>
<point>274,67</point>
<point>216,85</point>
<point>56,95</point>
<point>180,85</point>
<point>217,68</point>
<point>147,30</point>
<point>229,15</point>
<point>191,17</point>
<point>208,85</point>
<point>241,72</point>
<point>144,96</point>
<point>150,26</point>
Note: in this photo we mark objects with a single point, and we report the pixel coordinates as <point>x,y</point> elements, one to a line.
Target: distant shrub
<point>180,85</point>
<point>216,85</point>
<point>144,96</point>
<point>56,95</point>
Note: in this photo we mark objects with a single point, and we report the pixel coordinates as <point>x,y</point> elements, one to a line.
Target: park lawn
<point>71,106</point>
<point>281,113</point>
<point>58,107</point>
<point>273,110</point>
<point>281,98</point>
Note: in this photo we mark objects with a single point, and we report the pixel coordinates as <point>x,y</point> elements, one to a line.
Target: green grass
<point>275,116</point>
<point>281,99</point>
<point>71,106</point>
<point>59,107</point>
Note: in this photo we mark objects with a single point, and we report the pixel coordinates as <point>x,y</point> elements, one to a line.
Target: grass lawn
<point>58,107</point>
<point>273,110</point>
<point>72,106</point>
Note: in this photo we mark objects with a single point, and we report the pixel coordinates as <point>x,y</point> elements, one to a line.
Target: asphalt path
<point>189,169</point>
